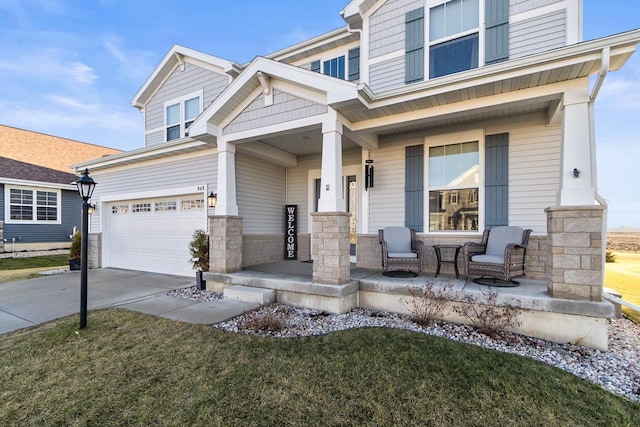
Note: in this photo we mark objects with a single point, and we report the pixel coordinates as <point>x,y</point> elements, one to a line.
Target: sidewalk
<point>30,302</point>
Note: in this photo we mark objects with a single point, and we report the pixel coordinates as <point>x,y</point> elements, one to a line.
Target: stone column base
<point>225,244</point>
<point>94,259</point>
<point>574,252</point>
<point>330,247</point>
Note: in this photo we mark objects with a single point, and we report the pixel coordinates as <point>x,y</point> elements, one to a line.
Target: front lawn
<point>128,368</point>
<point>13,269</point>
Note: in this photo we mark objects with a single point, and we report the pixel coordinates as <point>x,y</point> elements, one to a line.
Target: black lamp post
<point>85,185</point>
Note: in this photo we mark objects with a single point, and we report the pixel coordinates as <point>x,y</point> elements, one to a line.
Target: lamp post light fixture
<point>85,185</point>
<point>212,200</point>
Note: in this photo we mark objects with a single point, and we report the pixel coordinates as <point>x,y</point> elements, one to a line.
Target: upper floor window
<point>453,37</point>
<point>180,113</point>
<point>342,67</point>
<point>334,67</point>
<point>27,205</point>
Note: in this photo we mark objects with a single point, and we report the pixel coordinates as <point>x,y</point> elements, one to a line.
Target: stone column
<point>94,259</point>
<point>225,244</point>
<point>330,247</point>
<point>574,252</point>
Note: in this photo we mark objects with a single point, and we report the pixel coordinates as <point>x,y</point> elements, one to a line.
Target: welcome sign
<point>291,232</point>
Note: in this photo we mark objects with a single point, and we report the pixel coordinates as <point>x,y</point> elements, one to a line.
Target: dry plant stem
<point>487,317</point>
<point>428,303</point>
<point>267,322</point>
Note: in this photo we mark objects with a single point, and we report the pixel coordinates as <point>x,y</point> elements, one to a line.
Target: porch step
<point>248,294</point>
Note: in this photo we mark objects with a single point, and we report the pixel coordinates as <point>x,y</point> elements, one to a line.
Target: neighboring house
<point>475,114</point>
<point>39,207</point>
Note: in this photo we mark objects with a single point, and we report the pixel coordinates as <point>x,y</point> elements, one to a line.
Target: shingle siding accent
<point>180,83</point>
<point>387,26</point>
<point>537,35</point>
<point>285,107</point>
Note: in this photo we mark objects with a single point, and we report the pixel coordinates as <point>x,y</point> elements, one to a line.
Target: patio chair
<point>401,251</point>
<point>499,257</point>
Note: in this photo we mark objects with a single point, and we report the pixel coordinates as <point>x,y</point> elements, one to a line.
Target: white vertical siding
<point>260,188</point>
<point>386,26</point>
<point>537,35</point>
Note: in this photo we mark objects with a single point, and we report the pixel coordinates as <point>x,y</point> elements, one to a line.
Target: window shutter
<point>354,64</point>
<point>496,209</point>
<point>414,187</point>
<point>315,66</point>
<point>414,46</point>
<point>497,31</point>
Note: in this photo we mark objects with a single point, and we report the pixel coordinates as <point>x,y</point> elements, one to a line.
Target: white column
<point>577,152</point>
<point>331,194</point>
<point>227,204</point>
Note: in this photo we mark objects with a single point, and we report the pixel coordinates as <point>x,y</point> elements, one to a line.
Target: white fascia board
<point>28,183</point>
<point>168,192</point>
<point>623,44</point>
<point>141,154</point>
<point>323,39</point>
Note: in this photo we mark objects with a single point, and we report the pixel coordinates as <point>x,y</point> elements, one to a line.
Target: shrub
<point>199,251</point>
<point>76,246</point>
<point>486,316</point>
<point>610,256</point>
<point>428,303</point>
<point>265,323</point>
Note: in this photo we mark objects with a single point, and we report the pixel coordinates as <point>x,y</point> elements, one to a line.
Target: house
<point>39,207</point>
<point>473,114</point>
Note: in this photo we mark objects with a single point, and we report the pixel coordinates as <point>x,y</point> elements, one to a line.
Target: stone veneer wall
<point>225,244</point>
<point>368,254</point>
<point>331,247</point>
<point>94,259</point>
<point>263,248</point>
<point>574,251</point>
<point>1,236</point>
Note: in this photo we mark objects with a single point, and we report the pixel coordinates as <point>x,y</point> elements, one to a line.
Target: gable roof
<point>46,150</point>
<point>16,170</point>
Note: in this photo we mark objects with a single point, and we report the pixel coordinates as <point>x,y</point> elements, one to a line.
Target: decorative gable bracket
<point>265,81</point>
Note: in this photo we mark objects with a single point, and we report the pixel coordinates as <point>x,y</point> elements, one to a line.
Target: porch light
<point>85,185</point>
<point>212,200</point>
<point>576,173</point>
<point>368,173</point>
<point>92,209</point>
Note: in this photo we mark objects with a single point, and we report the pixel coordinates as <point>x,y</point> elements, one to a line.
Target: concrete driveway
<point>30,302</point>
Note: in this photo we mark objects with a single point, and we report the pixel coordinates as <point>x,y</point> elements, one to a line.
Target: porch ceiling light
<point>85,185</point>
<point>212,200</point>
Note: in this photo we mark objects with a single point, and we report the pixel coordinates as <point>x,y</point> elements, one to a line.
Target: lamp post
<point>85,185</point>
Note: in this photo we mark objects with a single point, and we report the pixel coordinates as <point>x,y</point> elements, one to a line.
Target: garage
<point>152,234</point>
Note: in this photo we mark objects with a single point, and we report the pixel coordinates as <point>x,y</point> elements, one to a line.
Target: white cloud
<point>73,103</point>
<point>50,63</point>
<point>113,46</point>
<point>621,93</point>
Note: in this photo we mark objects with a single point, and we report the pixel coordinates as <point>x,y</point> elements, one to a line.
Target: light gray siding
<point>184,171</point>
<point>386,26</point>
<point>537,35</point>
<point>518,6</point>
<point>387,75</point>
<point>154,138</point>
<point>2,218</point>
<point>180,83</point>
<point>285,107</point>
<point>260,188</point>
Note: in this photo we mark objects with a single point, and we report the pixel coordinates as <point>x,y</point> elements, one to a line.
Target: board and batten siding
<point>387,75</point>
<point>387,26</point>
<point>260,189</point>
<point>71,206</point>
<point>537,35</point>
<point>534,171</point>
<point>180,83</point>
<point>181,171</point>
<point>285,107</point>
<point>519,6</point>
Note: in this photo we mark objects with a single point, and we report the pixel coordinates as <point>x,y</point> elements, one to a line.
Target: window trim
<point>181,101</point>
<point>448,139</point>
<point>34,190</point>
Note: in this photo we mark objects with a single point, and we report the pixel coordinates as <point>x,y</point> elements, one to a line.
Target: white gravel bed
<point>616,370</point>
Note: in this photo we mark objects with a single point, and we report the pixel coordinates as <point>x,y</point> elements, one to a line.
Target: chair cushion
<point>403,255</point>
<point>491,259</point>
<point>398,239</point>
<point>500,237</point>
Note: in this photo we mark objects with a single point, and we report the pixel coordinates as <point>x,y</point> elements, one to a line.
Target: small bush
<point>487,317</point>
<point>428,303</point>
<point>199,251</point>
<point>264,323</point>
<point>610,256</point>
<point>76,246</point>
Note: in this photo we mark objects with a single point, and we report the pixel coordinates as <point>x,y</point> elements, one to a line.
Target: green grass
<point>33,262</point>
<point>128,368</point>
<point>623,275</point>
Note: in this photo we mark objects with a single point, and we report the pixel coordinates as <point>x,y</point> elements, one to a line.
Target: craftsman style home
<point>472,113</point>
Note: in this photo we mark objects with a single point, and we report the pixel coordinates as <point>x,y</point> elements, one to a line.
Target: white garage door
<point>153,234</point>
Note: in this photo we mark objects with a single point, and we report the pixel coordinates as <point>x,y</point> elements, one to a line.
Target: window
<point>167,206</point>
<point>180,113</point>
<point>140,207</point>
<point>192,204</point>
<point>120,209</point>
<point>334,67</point>
<point>33,205</point>
<point>453,37</point>
<point>453,179</point>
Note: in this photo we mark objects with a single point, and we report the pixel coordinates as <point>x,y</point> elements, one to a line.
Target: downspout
<point>604,69</point>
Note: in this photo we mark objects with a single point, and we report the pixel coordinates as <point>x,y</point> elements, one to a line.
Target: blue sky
<point>70,67</point>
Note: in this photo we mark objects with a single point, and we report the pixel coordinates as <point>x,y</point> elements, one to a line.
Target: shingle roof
<point>47,151</point>
<point>15,169</point>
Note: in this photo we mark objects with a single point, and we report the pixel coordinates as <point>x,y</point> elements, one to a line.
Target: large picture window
<point>26,205</point>
<point>180,113</point>
<point>453,182</point>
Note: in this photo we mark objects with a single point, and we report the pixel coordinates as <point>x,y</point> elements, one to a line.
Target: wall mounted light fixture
<point>212,200</point>
<point>576,173</point>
